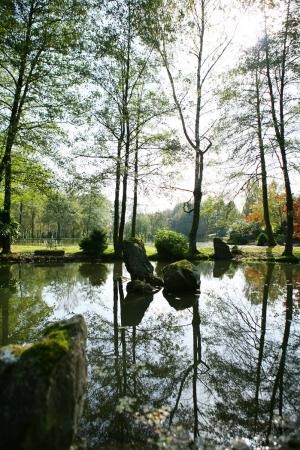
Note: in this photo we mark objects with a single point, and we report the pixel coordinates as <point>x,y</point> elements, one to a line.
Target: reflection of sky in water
<point>230,310</point>
<point>80,297</point>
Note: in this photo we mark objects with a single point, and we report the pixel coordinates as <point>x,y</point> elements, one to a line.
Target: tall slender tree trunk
<point>21,209</point>
<point>32,223</point>
<point>197,193</point>
<point>124,192</point>
<point>265,198</point>
<point>6,242</point>
<point>135,186</point>
<point>18,102</point>
<point>125,108</point>
<point>117,201</point>
<point>279,128</point>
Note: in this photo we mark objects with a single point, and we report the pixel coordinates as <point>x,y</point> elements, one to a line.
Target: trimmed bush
<point>262,240</point>
<point>95,244</point>
<point>171,245</point>
<point>244,232</point>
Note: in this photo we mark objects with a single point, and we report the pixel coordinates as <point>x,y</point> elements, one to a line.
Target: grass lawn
<point>248,252</point>
<point>31,248</point>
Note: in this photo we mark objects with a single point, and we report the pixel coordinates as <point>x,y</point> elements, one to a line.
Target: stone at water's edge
<point>138,264</point>
<point>180,276</point>
<point>42,388</point>
<point>221,250</point>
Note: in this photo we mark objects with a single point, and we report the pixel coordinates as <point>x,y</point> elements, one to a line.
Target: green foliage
<point>262,239</point>
<point>95,244</point>
<point>244,232</point>
<point>280,239</point>
<point>236,250</point>
<point>8,229</point>
<point>170,244</point>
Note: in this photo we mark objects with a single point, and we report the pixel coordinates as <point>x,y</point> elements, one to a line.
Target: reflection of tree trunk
<point>5,316</point>
<point>123,343</point>
<point>270,268</point>
<point>134,358</point>
<point>20,283</point>
<point>196,361</point>
<point>116,325</point>
<point>278,383</point>
<point>197,355</point>
<point>4,302</point>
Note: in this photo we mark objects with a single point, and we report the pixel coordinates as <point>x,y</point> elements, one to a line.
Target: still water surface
<point>204,369</point>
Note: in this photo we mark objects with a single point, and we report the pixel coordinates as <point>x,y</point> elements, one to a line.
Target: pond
<point>206,369</point>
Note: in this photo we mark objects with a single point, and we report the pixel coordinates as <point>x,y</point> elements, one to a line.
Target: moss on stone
<point>183,264</point>
<point>46,352</point>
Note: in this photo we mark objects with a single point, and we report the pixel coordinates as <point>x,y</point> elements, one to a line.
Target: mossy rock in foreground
<point>180,276</point>
<point>42,388</point>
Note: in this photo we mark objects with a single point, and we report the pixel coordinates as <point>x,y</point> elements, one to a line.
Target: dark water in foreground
<point>208,369</point>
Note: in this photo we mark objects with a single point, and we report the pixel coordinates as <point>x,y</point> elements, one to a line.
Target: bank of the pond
<point>25,253</point>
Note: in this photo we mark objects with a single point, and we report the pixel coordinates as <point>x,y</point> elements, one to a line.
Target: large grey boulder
<point>221,250</point>
<point>138,264</point>
<point>180,276</point>
<point>42,388</point>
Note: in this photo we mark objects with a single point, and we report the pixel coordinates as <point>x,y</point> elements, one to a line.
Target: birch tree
<point>195,17</point>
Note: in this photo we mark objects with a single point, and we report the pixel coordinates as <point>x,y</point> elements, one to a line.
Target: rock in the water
<point>42,388</point>
<point>221,250</point>
<point>136,260</point>
<point>180,276</point>
<point>138,264</point>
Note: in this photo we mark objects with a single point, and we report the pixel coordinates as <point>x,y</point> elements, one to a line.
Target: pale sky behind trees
<point>244,27</point>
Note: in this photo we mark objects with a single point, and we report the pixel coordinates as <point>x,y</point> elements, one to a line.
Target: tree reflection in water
<point>221,365</point>
<point>135,371</point>
<point>253,371</point>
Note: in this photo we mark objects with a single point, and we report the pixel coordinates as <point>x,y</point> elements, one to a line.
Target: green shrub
<point>171,245</point>
<point>262,240</point>
<point>244,232</point>
<point>280,239</point>
<point>95,244</point>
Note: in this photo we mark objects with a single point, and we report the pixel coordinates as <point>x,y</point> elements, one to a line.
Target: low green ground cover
<point>204,252</point>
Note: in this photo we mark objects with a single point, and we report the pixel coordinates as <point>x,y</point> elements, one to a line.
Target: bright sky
<point>245,27</point>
